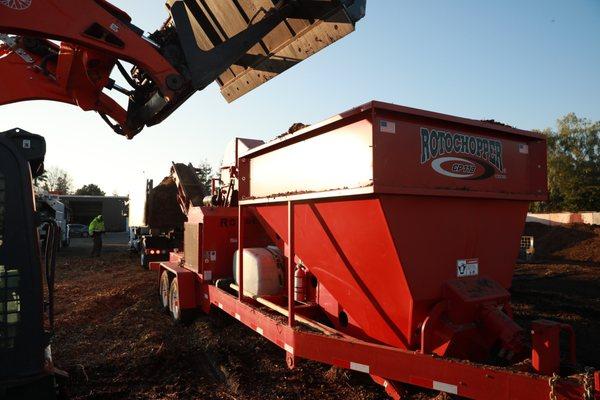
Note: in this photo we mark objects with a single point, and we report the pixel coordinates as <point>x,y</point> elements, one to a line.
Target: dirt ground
<point>563,284</point>
<point>116,343</point>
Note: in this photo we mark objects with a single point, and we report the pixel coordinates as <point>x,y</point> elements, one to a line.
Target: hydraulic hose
<point>50,251</point>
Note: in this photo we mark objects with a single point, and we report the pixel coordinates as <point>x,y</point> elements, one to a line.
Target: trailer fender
<point>154,266</point>
<point>186,280</point>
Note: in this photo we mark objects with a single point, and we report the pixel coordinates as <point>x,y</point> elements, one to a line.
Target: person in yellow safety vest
<point>96,230</point>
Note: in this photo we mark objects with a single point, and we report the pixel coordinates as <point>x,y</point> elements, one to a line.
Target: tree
<point>205,173</point>
<point>573,166</point>
<point>90,190</point>
<point>41,180</point>
<point>57,181</point>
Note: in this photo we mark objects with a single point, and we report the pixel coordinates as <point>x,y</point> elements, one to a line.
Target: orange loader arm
<point>66,51</point>
<point>94,36</point>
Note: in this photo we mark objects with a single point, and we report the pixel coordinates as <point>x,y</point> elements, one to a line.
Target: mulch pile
<point>293,129</point>
<point>575,242</point>
<point>162,209</point>
<point>493,121</point>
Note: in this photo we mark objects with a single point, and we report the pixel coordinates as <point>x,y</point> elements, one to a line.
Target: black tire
<point>144,260</point>
<point>163,291</point>
<point>178,314</point>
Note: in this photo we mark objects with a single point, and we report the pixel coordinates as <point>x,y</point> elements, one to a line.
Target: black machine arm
<point>241,45</point>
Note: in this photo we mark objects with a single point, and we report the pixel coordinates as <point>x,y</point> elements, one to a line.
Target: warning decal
<point>468,267</point>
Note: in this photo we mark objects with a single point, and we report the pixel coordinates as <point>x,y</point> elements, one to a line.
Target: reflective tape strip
<point>220,305</point>
<point>359,367</point>
<point>288,348</point>
<point>238,317</point>
<point>259,330</point>
<point>445,387</point>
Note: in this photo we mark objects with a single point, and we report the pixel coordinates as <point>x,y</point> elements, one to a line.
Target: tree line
<point>573,166</point>
<point>58,181</point>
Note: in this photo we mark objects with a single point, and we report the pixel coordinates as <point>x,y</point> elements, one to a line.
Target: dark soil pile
<point>162,209</point>
<point>569,243</point>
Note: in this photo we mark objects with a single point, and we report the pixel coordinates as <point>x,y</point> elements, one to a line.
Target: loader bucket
<point>396,210</point>
<point>301,32</point>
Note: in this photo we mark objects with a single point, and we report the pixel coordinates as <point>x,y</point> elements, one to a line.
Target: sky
<point>525,63</point>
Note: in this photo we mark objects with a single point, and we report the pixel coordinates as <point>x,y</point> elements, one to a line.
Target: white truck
<point>50,207</point>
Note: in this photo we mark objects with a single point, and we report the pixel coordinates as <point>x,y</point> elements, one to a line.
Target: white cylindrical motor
<point>263,271</point>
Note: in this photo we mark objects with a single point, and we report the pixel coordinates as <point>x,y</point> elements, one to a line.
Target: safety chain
<point>552,382</point>
<point>7,40</point>
<point>588,384</point>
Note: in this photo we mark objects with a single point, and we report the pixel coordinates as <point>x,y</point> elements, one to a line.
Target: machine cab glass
<point>10,305</point>
<point>2,197</point>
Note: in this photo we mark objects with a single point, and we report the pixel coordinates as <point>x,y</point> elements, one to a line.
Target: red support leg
<point>241,252</point>
<point>393,389</point>
<point>545,356</point>
<point>291,256</point>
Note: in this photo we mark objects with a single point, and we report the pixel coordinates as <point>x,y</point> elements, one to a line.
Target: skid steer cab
<point>26,306</point>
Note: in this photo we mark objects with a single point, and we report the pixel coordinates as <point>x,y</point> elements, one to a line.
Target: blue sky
<point>525,63</point>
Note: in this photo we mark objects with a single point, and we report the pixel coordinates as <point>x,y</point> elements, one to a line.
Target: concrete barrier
<point>565,218</point>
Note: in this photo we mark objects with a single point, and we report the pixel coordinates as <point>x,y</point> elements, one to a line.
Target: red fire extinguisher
<point>300,283</point>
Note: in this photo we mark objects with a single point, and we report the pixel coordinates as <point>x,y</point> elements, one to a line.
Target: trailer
<point>382,240</point>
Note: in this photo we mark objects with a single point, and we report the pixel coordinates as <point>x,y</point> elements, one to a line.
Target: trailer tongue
<point>400,229</point>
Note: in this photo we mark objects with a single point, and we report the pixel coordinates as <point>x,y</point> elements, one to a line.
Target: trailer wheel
<point>144,260</point>
<point>163,291</point>
<point>179,315</point>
